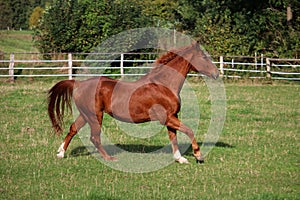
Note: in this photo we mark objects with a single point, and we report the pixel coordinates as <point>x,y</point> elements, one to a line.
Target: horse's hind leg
<point>95,124</point>
<point>74,128</point>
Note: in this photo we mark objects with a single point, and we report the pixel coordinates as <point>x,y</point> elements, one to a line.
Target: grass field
<point>257,156</point>
<point>16,42</point>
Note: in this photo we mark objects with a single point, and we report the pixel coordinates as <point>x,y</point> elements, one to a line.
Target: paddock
<point>256,156</point>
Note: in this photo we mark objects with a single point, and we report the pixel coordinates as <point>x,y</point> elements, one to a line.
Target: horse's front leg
<point>176,124</point>
<point>74,128</point>
<point>174,143</point>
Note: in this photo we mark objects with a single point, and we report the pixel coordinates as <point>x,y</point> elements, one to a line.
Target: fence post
<point>221,66</point>
<point>70,66</point>
<point>11,68</point>
<point>255,60</point>
<point>122,65</point>
<point>268,62</point>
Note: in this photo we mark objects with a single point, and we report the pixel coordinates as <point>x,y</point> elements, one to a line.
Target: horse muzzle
<point>215,75</point>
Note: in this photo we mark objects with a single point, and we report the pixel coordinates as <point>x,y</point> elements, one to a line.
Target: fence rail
<point>122,64</point>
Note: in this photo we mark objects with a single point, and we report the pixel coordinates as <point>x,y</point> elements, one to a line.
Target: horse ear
<point>196,44</point>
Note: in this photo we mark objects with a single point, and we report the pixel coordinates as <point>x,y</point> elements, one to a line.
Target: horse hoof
<point>199,161</point>
<point>60,155</point>
<point>111,158</point>
<point>182,160</point>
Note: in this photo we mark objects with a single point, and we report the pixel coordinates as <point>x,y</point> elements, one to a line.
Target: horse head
<point>201,62</point>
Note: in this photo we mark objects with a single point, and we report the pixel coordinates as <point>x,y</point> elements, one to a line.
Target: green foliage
<point>35,17</point>
<point>6,13</point>
<point>244,27</point>
<point>15,14</point>
<point>73,26</point>
<point>224,27</point>
<point>227,27</point>
<point>162,13</point>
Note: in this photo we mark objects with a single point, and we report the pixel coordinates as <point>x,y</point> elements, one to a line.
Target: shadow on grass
<point>137,148</point>
<point>189,151</point>
<point>81,151</point>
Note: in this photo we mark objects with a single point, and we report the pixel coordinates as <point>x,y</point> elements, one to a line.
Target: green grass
<point>257,156</point>
<point>16,42</point>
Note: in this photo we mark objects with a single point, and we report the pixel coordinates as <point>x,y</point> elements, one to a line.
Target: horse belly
<point>128,113</point>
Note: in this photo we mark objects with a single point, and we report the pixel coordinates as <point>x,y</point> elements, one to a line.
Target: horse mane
<point>165,58</point>
<point>170,55</point>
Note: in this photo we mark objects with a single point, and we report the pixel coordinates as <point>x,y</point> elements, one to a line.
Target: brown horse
<point>154,97</point>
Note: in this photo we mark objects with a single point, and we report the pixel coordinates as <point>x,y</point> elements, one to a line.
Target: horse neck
<point>172,74</point>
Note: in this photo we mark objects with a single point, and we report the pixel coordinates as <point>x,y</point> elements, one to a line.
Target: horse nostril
<point>216,74</point>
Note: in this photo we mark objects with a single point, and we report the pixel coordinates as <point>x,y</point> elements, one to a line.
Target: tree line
<point>15,14</point>
<point>224,27</point>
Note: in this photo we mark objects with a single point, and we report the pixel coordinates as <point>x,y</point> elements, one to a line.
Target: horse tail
<point>59,98</point>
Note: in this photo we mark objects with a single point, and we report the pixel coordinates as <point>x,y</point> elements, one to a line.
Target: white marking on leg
<point>177,155</point>
<point>183,160</point>
<point>179,158</point>
<point>61,151</point>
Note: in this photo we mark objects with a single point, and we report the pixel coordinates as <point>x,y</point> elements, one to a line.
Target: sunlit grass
<point>256,157</point>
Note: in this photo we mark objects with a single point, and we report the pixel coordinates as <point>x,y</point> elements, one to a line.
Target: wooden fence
<point>122,64</point>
